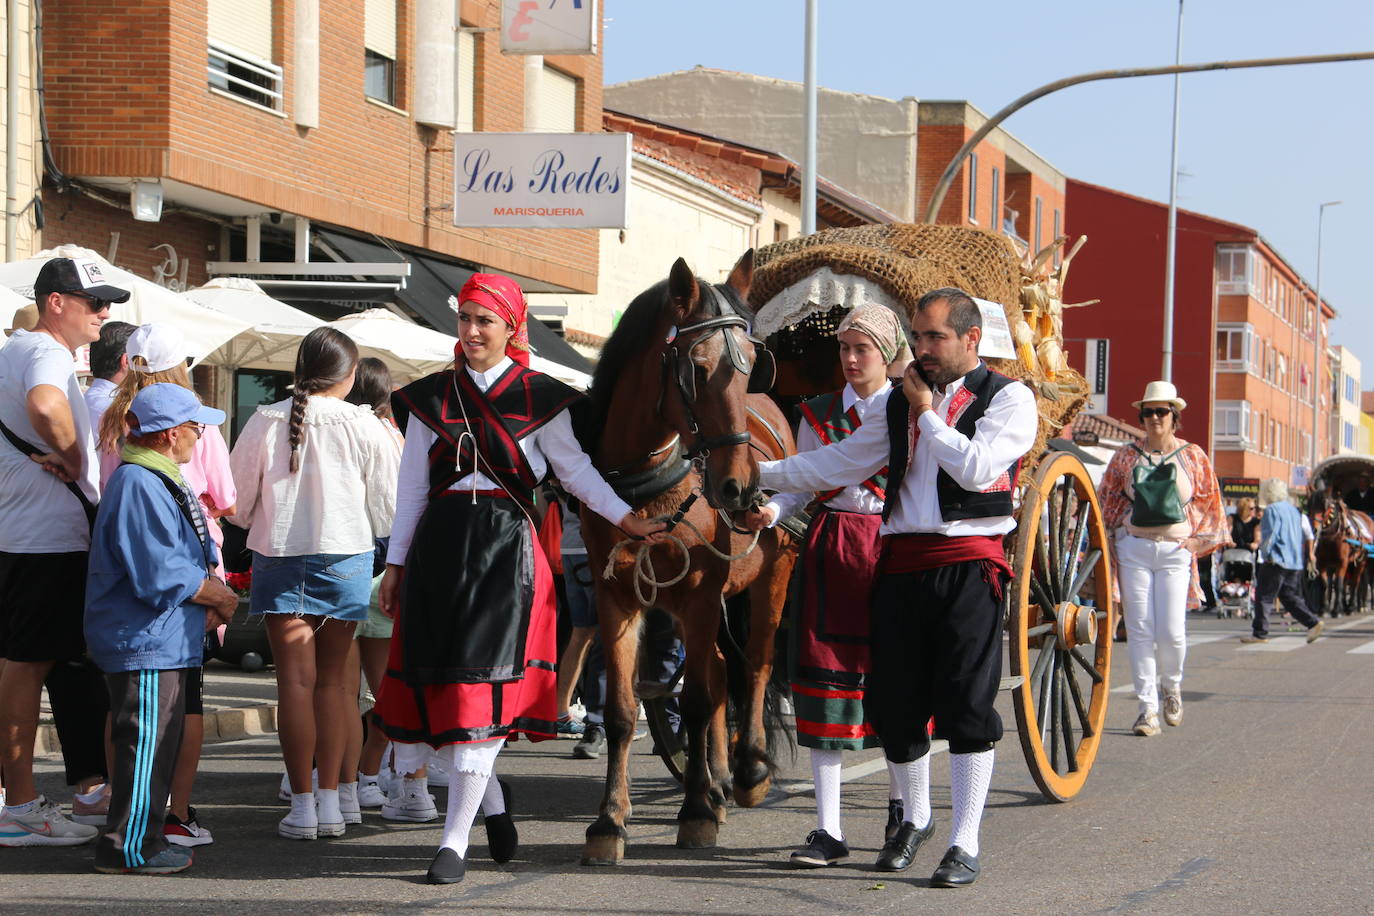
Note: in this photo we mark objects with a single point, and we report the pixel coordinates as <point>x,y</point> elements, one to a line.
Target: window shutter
<point>557,102</point>
<point>467,81</point>
<point>379,27</point>
<point>245,25</point>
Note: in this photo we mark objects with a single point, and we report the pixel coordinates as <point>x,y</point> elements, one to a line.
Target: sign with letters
<point>548,26</point>
<point>996,342</point>
<point>1237,487</point>
<point>537,180</point>
<point>1095,369</point>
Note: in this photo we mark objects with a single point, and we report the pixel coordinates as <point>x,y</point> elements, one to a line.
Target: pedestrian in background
<point>149,588</point>
<point>109,366</point>
<point>1283,552</point>
<point>1162,502</point>
<point>316,480</point>
<point>48,489</point>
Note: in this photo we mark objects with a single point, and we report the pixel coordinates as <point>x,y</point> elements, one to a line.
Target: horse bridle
<point>678,365</point>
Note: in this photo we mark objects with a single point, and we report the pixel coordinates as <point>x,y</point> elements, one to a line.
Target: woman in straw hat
<point>1162,502</point>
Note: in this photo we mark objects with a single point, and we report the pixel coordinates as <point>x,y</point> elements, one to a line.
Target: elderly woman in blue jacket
<point>148,590</point>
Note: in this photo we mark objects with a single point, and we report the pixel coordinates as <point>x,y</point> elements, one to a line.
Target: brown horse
<point>1341,561</point>
<point>674,419</point>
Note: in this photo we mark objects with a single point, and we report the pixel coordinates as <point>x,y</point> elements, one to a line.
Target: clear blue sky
<point>1259,147</point>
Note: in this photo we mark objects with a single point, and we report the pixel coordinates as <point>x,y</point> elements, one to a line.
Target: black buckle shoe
<point>957,869</point>
<point>901,849</point>
<point>502,838</point>
<point>592,745</point>
<point>447,868</point>
<point>894,819</point>
<point>821,849</point>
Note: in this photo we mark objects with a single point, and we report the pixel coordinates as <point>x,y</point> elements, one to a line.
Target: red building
<point>1243,321</point>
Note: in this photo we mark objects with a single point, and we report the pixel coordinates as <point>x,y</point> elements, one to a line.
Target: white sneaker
<point>438,773</point>
<point>348,803</point>
<point>370,794</point>
<point>302,823</point>
<point>1173,708</point>
<point>1147,725</point>
<point>46,825</point>
<point>411,806</point>
<point>284,790</point>
<point>329,813</point>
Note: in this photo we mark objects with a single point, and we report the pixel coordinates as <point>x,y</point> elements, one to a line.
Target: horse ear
<point>682,288</point>
<point>742,275</point>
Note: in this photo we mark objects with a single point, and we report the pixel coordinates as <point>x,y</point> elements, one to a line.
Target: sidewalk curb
<point>222,724</point>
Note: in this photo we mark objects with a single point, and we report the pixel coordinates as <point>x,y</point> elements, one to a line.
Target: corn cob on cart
<point>1059,616</point>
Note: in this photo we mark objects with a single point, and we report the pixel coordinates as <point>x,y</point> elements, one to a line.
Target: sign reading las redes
<point>552,181</point>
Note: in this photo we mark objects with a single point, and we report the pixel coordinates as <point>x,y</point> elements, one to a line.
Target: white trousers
<point>1154,577</point>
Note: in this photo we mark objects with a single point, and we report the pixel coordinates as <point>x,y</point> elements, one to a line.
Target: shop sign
<point>1239,487</point>
<point>548,26</point>
<point>172,271</point>
<point>537,180</point>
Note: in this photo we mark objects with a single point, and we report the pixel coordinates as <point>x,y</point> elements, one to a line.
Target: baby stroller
<point>1236,596</point>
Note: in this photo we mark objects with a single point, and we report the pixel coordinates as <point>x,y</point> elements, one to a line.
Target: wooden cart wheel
<point>1061,625</point>
<point>670,743</point>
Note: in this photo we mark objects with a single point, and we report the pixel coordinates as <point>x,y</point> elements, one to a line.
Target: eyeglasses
<point>198,427</point>
<point>1161,412</point>
<point>94,303</point>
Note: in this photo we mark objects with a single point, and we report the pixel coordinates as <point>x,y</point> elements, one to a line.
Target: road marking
<point>1349,624</point>
<point>1276,644</point>
<point>1210,637</point>
<point>1366,649</point>
<point>857,771</point>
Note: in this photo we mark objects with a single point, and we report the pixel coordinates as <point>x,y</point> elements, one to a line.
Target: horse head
<point>710,365</point>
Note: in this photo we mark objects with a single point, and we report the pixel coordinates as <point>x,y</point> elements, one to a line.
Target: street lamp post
<point>1317,339</point>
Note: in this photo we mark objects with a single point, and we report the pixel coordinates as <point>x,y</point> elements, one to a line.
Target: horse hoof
<point>697,834</point>
<point>751,797</point>
<point>603,850</point>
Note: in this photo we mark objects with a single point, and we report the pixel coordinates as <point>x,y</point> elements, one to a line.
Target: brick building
<point>296,132</point>
<point>1243,329</point>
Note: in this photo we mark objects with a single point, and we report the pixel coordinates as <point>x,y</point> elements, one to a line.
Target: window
<point>239,58</point>
<point>467,81</point>
<point>1349,388</point>
<point>555,107</point>
<point>1348,435</point>
<point>1235,264</point>
<point>379,50</point>
<point>1304,447</point>
<point>1039,217</point>
<point>1269,364</point>
<point>973,187</point>
<point>995,203</point>
<point>1232,420</point>
<point>1234,345</point>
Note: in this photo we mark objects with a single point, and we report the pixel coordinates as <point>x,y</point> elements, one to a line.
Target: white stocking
<point>969,778</point>
<point>470,768</point>
<point>913,785</point>
<point>825,773</point>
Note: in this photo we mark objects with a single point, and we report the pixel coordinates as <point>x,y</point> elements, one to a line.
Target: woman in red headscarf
<point>473,657</point>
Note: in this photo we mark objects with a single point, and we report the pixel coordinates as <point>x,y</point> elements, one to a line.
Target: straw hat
<point>1161,391</point>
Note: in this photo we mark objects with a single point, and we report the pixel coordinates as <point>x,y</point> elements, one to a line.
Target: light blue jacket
<point>146,564</point>
<point>1281,535</point>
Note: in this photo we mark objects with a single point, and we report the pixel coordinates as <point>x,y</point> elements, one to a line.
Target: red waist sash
<point>909,553</point>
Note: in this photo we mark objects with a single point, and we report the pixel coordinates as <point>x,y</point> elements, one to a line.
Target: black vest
<point>955,502</point>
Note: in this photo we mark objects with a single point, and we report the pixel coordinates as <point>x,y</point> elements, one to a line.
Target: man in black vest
<point>1361,496</point>
<point>953,441</point>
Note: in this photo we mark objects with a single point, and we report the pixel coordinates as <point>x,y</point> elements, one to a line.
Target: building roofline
<point>756,77</point>
<point>1013,138</point>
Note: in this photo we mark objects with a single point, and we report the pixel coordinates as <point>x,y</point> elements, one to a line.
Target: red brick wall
<point>128,97</point>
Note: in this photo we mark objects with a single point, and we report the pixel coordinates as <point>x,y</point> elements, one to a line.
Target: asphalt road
<point>1259,803</point>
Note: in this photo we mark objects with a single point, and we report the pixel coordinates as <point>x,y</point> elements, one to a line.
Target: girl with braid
<point>316,481</point>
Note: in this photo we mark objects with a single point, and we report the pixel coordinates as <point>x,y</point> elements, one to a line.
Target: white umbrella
<point>277,328</point>
<point>411,351</point>
<point>10,302</point>
<point>205,331</point>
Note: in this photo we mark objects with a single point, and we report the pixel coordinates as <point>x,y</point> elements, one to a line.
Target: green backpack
<point>1156,503</point>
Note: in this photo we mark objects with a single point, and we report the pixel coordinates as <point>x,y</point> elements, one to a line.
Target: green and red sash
<point>831,423</point>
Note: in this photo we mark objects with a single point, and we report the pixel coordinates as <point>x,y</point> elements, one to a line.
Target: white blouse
<point>342,497</point>
<point>552,444</point>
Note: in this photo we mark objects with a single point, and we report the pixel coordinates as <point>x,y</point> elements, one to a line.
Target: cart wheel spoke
<point>1087,665</point>
<point>1070,746</point>
<point>1040,630</point>
<point>1084,722</point>
<point>1090,561</point>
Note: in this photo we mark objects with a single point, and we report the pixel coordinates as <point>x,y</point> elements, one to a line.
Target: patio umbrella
<point>275,331</point>
<point>205,330</point>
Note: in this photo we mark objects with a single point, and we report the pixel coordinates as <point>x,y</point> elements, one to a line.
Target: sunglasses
<point>94,303</point>
<point>1161,412</point>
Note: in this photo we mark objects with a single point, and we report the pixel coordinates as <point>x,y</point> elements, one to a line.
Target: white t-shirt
<point>38,514</point>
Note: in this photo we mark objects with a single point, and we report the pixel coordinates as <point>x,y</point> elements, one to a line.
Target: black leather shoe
<point>447,868</point>
<point>821,849</point>
<point>502,838</point>
<point>957,869</point>
<point>894,819</point>
<point>592,745</point>
<point>901,849</point>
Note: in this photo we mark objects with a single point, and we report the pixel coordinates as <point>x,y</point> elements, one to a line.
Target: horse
<point>677,414</point>
<point>1342,535</point>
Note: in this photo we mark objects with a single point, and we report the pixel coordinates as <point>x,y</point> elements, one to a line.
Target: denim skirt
<point>322,584</point>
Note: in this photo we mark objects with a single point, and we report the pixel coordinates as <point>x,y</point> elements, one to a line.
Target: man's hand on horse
<point>758,518</point>
<point>648,529</point>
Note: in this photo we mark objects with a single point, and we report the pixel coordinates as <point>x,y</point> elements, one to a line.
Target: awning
<point>432,282</point>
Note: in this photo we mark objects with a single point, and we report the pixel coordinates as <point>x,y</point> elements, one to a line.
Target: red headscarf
<point>504,297</point>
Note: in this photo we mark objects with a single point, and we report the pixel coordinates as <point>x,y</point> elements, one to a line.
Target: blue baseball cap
<point>165,405</point>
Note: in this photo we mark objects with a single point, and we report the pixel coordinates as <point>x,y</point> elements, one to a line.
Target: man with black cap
<point>48,487</point>
<point>952,439</point>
